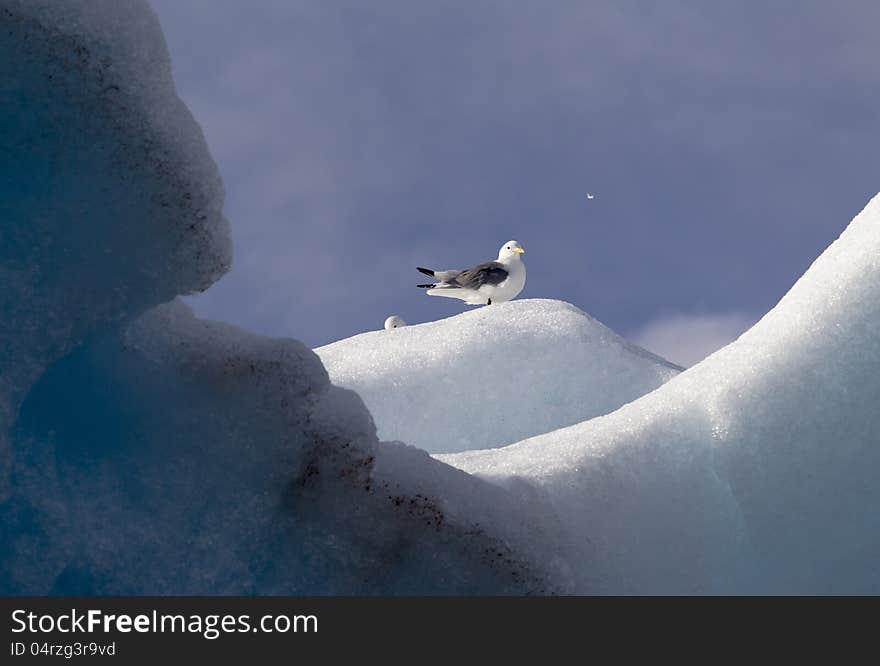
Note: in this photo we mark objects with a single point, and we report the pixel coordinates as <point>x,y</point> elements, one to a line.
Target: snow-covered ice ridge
<point>492,376</point>
<point>755,470</point>
<point>145,451</point>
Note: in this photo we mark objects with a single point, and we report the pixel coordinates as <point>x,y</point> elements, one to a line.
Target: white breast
<point>510,288</point>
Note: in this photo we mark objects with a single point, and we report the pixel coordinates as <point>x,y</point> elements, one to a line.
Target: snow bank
<point>492,376</point>
<point>755,470</point>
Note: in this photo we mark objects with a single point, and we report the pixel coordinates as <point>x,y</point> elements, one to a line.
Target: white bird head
<point>510,250</point>
<point>394,322</point>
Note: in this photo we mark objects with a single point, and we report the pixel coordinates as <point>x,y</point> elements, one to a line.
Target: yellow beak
<point>519,250</point>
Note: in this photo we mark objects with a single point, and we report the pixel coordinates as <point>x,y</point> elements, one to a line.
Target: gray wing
<point>491,273</point>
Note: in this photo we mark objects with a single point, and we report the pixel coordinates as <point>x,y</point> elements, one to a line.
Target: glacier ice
<point>755,470</point>
<point>143,450</point>
<point>492,376</point>
<point>185,456</point>
<point>109,200</point>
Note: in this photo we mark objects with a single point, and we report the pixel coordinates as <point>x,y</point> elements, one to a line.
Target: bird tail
<point>426,271</point>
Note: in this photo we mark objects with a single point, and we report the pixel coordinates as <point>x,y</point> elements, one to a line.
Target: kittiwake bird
<point>493,282</point>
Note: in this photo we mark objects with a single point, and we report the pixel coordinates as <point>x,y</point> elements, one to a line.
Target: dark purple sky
<point>728,143</point>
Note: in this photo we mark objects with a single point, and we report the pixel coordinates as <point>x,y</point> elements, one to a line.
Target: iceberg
<point>146,451</point>
<point>110,200</point>
<point>185,456</point>
<point>753,471</point>
<point>493,376</point>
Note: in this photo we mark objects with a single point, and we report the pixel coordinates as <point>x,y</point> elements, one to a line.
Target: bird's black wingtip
<point>425,286</point>
<point>426,271</point>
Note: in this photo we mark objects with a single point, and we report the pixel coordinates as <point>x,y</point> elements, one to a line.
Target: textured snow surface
<point>755,470</point>
<point>109,200</point>
<point>492,376</point>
